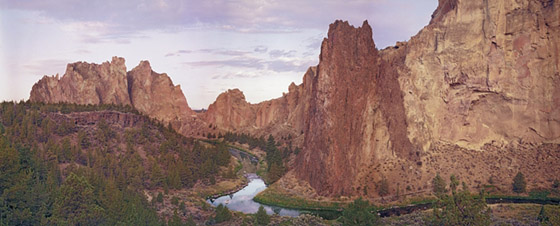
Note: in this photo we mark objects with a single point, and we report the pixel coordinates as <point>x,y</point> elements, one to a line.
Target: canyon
<point>475,93</point>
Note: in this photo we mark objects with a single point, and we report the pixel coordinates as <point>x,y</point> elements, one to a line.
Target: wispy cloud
<point>276,65</point>
<point>282,53</point>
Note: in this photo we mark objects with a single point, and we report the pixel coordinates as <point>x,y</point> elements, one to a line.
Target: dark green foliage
<point>261,218</point>
<point>222,214</point>
<point>383,187</point>
<point>556,184</point>
<point>35,140</point>
<point>159,197</point>
<point>460,208</point>
<point>75,204</point>
<point>438,185</point>
<point>519,185</point>
<point>360,212</point>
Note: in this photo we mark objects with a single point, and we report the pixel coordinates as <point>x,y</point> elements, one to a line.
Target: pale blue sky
<point>258,46</point>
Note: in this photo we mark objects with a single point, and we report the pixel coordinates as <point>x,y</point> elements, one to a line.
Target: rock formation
<point>155,95</point>
<point>85,83</point>
<point>108,83</point>
<point>281,116</point>
<point>482,76</point>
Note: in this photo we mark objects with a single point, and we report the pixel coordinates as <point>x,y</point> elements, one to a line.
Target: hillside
<point>98,164</point>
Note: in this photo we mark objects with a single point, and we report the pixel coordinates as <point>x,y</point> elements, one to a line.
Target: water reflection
<point>242,200</point>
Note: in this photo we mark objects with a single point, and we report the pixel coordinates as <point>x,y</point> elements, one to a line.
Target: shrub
<point>360,212</point>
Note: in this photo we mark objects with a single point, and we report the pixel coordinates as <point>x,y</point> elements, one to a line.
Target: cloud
<point>219,51</point>
<point>238,62</point>
<point>260,49</point>
<point>281,53</point>
<point>108,17</point>
<point>277,65</point>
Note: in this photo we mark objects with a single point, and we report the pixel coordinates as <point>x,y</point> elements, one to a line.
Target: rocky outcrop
<point>109,83</point>
<point>85,83</point>
<point>155,95</point>
<point>280,117</point>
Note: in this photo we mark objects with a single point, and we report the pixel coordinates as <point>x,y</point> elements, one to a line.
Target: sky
<point>206,46</point>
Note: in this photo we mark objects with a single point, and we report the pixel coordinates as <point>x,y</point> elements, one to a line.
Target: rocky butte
<point>475,93</point>
<point>109,83</point>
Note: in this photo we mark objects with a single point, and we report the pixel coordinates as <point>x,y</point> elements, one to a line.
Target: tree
<point>261,217</point>
<point>159,197</point>
<point>519,185</point>
<point>438,185</point>
<point>75,204</point>
<point>383,188</point>
<point>222,214</point>
<point>360,212</point>
<point>175,220</point>
<point>460,208</point>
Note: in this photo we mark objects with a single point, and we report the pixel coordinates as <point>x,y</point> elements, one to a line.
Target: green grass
<point>271,197</point>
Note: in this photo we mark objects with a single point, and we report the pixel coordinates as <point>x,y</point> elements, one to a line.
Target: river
<point>242,200</point>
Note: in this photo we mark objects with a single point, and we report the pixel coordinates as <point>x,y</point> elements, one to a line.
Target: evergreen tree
<point>438,185</point>
<point>261,217</point>
<point>75,204</point>
<point>519,185</point>
<point>222,214</point>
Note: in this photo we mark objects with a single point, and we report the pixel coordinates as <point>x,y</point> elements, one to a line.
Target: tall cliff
<point>109,83</point>
<point>474,93</point>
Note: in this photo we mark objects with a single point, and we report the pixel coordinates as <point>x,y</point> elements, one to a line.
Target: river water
<point>242,200</point>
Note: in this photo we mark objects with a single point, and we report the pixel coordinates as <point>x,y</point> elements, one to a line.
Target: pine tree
<point>75,204</point>
<point>261,217</point>
<point>438,185</point>
<point>519,185</point>
<point>222,214</point>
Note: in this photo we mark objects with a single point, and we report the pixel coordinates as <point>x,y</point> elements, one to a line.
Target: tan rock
<point>85,83</point>
<point>155,95</point>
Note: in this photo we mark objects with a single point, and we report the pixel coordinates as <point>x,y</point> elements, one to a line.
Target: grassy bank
<point>274,197</point>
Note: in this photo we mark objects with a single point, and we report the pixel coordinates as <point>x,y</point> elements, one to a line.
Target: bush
<point>519,185</point>
<point>261,217</point>
<point>360,212</point>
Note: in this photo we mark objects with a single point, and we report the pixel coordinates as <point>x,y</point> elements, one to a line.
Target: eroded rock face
<point>482,76</point>
<point>282,116</point>
<point>108,83</point>
<point>155,95</point>
<point>485,71</point>
<point>85,83</point>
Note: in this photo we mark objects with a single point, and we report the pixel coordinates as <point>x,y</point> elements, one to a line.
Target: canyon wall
<point>482,79</point>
